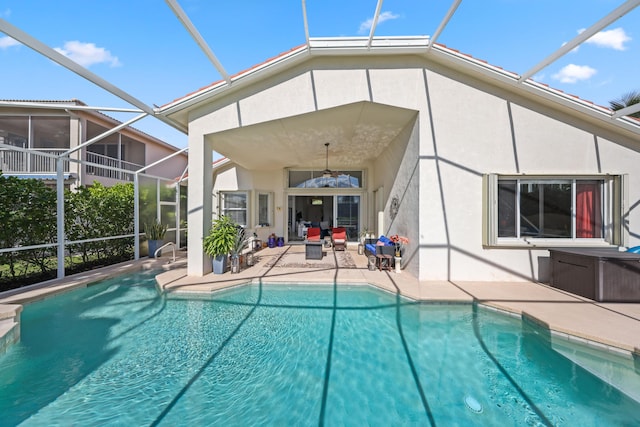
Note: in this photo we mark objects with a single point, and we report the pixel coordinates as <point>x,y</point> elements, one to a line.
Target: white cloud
<point>6,42</point>
<point>365,27</point>
<point>613,39</point>
<point>573,73</point>
<point>87,54</point>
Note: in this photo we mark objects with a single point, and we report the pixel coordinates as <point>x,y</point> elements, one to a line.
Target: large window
<point>553,211</point>
<point>316,179</point>
<point>234,205</point>
<point>39,132</point>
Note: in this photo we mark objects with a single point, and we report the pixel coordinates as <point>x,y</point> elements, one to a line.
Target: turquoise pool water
<point>117,353</point>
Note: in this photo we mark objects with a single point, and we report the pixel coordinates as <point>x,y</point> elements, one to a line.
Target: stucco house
<point>481,170</point>
<point>32,133</point>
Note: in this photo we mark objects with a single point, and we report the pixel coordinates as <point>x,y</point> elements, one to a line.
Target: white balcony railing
<point>105,166</point>
<point>44,161</point>
<point>35,160</point>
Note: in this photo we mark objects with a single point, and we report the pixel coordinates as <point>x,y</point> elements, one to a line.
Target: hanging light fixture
<point>327,173</point>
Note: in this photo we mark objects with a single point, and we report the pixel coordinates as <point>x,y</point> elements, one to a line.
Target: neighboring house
<point>31,125</point>
<point>483,173</point>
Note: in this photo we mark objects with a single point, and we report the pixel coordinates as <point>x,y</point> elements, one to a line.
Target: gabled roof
<point>178,110</point>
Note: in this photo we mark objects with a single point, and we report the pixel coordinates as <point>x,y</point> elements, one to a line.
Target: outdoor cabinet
<point>597,274</point>
<point>313,250</point>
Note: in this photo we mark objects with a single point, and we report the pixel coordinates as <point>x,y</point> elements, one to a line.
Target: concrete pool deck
<point>607,326</point>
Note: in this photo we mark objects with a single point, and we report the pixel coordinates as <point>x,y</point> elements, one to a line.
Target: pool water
<point>118,353</point>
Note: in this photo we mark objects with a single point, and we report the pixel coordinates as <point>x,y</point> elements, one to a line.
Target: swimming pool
<point>117,353</point>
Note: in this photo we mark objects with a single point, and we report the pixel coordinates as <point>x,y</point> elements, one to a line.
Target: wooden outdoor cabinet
<point>597,274</point>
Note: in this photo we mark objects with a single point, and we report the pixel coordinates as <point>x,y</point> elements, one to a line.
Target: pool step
<point>9,325</point>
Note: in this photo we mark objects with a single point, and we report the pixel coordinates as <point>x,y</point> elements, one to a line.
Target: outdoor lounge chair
<point>313,244</point>
<point>339,238</point>
<point>384,250</point>
<point>313,234</point>
<point>371,244</point>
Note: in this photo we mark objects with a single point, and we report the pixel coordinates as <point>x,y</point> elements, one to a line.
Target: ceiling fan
<point>328,173</point>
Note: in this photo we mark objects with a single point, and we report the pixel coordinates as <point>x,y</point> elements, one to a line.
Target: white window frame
<point>222,209</point>
<point>269,222</point>
<point>317,174</point>
<point>614,202</point>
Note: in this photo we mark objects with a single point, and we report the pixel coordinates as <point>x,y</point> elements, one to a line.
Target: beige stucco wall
<point>171,168</point>
<point>465,127</point>
<point>236,178</point>
<point>478,130</point>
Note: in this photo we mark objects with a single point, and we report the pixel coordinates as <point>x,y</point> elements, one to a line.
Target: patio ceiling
<point>357,133</point>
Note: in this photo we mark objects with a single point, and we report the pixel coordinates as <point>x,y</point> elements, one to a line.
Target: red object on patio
<point>313,234</point>
<point>339,238</point>
<point>313,245</point>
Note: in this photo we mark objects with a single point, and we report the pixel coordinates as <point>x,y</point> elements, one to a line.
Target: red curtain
<point>588,211</point>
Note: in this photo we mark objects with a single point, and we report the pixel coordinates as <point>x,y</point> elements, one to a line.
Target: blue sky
<point>142,48</point>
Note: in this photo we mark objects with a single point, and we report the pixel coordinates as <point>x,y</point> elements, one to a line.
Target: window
<point>51,132</point>
<point>234,205</point>
<point>264,209</point>
<point>552,210</point>
<point>316,179</point>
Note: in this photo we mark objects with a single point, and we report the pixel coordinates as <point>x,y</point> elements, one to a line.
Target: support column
<point>136,215</point>
<point>199,206</point>
<point>60,214</point>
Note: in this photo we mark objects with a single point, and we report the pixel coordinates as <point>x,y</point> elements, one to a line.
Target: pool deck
<point>613,327</point>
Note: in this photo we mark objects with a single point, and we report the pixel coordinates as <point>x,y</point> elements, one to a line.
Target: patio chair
<point>339,238</point>
<point>313,234</point>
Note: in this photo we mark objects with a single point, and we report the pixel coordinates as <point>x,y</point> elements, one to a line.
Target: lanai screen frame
<point>146,110</point>
<point>60,159</point>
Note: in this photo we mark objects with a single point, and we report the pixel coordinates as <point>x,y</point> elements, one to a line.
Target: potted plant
<point>240,243</point>
<point>154,231</point>
<point>220,241</point>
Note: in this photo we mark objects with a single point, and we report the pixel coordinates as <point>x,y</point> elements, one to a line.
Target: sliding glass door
<point>347,214</point>
<point>324,211</point>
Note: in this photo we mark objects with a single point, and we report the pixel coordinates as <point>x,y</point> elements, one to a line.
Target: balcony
<point>96,162</point>
<point>44,161</point>
<point>31,161</point>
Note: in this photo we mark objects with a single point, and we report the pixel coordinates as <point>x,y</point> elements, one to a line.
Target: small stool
<point>313,250</point>
<point>384,262</point>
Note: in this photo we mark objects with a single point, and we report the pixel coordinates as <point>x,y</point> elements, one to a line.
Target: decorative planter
<point>219,264</point>
<point>398,263</point>
<point>250,259</point>
<point>235,264</point>
<point>153,247</point>
<point>371,263</point>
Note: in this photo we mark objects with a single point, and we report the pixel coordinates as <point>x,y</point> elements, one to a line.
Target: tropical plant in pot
<point>240,243</point>
<point>220,242</point>
<point>154,231</point>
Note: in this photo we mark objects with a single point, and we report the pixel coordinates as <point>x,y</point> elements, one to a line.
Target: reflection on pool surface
<point>118,353</point>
